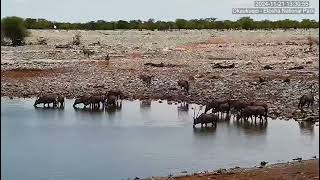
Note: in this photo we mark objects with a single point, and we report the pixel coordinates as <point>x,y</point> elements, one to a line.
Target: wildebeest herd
<point>93,101</point>
<point>241,109</point>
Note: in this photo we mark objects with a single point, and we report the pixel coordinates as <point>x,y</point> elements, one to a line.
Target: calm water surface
<point>68,144</point>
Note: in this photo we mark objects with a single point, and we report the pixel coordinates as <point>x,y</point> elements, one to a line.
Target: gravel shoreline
<point>305,169</point>
<point>191,55</point>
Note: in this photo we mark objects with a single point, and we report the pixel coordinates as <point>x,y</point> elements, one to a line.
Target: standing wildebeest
<point>45,99</point>
<point>94,101</point>
<point>60,100</point>
<point>205,119</point>
<point>255,111</point>
<point>111,101</point>
<point>146,78</point>
<point>214,104</point>
<point>306,99</point>
<point>82,100</point>
<point>265,105</point>
<point>184,84</point>
<point>116,93</point>
<point>222,108</point>
<point>237,105</point>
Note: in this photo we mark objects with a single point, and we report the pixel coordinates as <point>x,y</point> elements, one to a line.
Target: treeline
<point>208,23</point>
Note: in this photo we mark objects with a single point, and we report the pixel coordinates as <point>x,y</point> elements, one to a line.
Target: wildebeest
<point>111,101</point>
<point>184,84</point>
<point>60,100</point>
<point>146,78</point>
<point>237,105</point>
<point>206,119</point>
<point>82,100</point>
<point>45,99</point>
<point>265,105</point>
<point>222,108</point>
<point>255,111</point>
<point>95,101</point>
<point>214,104</point>
<point>116,93</point>
<point>306,99</point>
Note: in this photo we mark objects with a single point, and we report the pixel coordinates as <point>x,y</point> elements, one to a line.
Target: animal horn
<point>198,113</point>
<point>194,113</point>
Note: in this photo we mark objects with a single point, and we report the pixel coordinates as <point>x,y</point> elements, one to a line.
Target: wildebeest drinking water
<point>46,99</point>
<point>82,100</point>
<point>206,119</point>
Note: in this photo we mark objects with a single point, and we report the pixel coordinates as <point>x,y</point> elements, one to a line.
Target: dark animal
<point>222,108</point>
<point>111,101</point>
<point>48,99</point>
<point>95,101</point>
<point>116,93</point>
<point>60,100</point>
<point>255,111</point>
<point>87,52</point>
<point>306,99</point>
<point>146,78</point>
<point>265,105</point>
<point>82,100</point>
<point>206,119</point>
<point>214,104</point>
<point>184,84</point>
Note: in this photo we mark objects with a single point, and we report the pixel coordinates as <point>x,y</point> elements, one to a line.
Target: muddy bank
<point>258,65</point>
<point>306,169</point>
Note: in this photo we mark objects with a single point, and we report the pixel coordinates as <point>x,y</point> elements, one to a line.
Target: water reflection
<point>306,127</point>
<point>252,127</point>
<point>204,131</point>
<point>30,134</point>
<point>146,103</point>
<point>183,110</point>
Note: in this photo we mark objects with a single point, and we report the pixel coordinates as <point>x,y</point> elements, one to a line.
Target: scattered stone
<point>286,80</point>
<point>296,68</point>
<point>267,67</point>
<point>297,159</point>
<point>263,163</point>
<point>219,66</point>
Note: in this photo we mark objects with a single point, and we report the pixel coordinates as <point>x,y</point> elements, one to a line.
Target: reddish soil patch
<point>308,169</point>
<point>27,73</point>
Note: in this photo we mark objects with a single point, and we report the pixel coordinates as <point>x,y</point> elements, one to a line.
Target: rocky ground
<point>276,67</point>
<point>307,169</point>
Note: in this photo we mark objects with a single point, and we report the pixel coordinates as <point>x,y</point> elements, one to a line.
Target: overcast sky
<point>88,10</point>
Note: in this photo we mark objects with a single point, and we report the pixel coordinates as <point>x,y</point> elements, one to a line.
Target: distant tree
<point>246,23</point>
<point>14,29</point>
<point>123,24</point>
<point>181,23</point>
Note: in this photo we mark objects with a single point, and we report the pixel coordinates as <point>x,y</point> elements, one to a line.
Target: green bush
<point>14,29</point>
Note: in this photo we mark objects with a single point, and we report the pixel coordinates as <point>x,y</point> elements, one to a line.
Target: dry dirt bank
<point>190,55</point>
